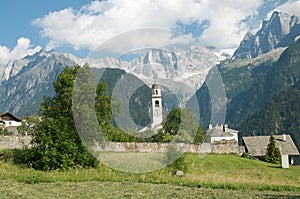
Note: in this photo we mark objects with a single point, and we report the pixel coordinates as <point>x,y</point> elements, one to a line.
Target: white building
<point>9,120</point>
<point>256,146</point>
<point>156,99</point>
<point>221,132</point>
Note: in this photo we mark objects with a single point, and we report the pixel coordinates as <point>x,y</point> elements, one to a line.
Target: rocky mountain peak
<point>249,36</point>
<point>26,81</point>
<point>26,63</point>
<point>42,54</point>
<point>279,31</point>
<point>279,24</point>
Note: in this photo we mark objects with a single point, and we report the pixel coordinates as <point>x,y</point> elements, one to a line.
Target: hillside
<point>259,179</point>
<point>285,72</point>
<point>280,115</point>
<point>238,77</point>
<point>133,96</point>
<point>252,84</point>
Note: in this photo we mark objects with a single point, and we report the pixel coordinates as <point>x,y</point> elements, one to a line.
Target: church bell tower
<point>156,107</point>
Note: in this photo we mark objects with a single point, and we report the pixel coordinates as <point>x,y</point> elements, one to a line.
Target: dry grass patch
<point>56,190</point>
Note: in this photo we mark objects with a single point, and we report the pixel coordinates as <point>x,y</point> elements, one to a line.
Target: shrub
<point>247,155</point>
<point>174,159</point>
<point>57,146</point>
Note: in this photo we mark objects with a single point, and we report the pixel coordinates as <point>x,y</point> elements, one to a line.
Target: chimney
<point>225,127</point>
<point>284,137</point>
<point>210,126</point>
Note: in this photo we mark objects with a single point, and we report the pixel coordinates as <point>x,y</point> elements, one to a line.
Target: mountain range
<point>26,81</point>
<point>262,70</point>
<point>261,93</point>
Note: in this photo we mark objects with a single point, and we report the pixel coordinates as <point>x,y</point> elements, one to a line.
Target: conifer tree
<point>273,152</point>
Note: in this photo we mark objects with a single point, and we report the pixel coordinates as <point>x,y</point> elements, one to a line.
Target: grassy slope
<point>238,172</point>
<point>230,173</point>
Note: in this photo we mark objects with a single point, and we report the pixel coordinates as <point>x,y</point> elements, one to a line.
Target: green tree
<point>103,105</point>
<point>56,142</point>
<point>200,136</point>
<point>273,152</point>
<point>181,126</point>
<point>172,124</point>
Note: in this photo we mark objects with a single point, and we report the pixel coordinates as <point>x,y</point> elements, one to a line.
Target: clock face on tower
<point>157,112</point>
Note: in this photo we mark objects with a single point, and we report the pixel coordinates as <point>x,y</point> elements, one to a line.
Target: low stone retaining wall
<point>220,148</point>
<point>227,147</point>
<point>14,141</point>
<point>17,142</point>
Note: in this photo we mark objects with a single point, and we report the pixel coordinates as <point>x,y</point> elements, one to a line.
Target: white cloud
<point>100,20</point>
<point>226,27</point>
<point>291,7</point>
<point>147,38</point>
<point>21,49</point>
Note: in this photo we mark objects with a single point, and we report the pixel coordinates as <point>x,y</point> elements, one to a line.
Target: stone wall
<point>227,147</point>
<point>219,148</point>
<point>14,141</point>
<point>17,142</point>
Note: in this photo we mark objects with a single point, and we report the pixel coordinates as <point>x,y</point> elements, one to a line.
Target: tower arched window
<point>156,103</point>
<point>156,92</point>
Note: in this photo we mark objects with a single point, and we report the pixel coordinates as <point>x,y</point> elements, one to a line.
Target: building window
<point>156,92</point>
<point>156,103</point>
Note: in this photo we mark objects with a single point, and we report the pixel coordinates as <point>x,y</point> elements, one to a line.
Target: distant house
<point>9,120</point>
<point>256,146</point>
<point>221,133</point>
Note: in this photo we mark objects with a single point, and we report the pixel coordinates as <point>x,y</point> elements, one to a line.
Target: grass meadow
<point>210,176</point>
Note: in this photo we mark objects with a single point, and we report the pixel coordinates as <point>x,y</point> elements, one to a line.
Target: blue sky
<point>17,15</point>
<point>79,26</point>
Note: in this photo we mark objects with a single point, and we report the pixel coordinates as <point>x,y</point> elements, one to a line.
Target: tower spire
<point>156,106</point>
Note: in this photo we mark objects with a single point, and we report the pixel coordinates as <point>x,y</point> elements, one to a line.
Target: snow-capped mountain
<point>185,66</point>
<point>280,31</point>
<point>26,81</point>
<point>27,63</point>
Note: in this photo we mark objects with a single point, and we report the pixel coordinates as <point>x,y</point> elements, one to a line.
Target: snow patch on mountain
<point>185,66</point>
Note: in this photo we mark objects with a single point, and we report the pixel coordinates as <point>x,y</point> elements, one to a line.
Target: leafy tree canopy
<point>56,142</point>
<point>182,125</point>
